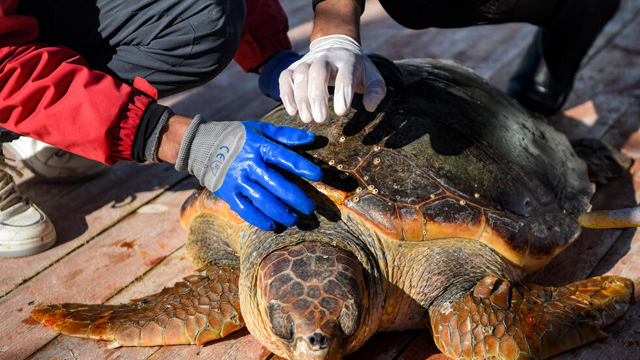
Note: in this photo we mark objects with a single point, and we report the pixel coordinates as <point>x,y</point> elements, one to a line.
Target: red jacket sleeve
<point>50,93</point>
<point>264,33</point>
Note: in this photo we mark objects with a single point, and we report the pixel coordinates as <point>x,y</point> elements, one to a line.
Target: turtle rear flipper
<point>603,161</point>
<point>201,308</point>
<point>506,321</point>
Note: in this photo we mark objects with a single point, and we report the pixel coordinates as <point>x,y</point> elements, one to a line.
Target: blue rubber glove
<point>269,80</point>
<point>259,193</point>
<point>235,161</point>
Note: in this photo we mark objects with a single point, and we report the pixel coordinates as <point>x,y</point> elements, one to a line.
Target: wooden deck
<point>119,237</point>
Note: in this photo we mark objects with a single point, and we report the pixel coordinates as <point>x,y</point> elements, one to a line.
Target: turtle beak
<point>317,346</point>
<point>607,219</point>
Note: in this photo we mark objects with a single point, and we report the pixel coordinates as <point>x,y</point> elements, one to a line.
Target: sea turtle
<point>430,212</point>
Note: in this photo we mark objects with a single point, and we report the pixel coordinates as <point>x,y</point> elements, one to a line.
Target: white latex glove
<point>335,60</point>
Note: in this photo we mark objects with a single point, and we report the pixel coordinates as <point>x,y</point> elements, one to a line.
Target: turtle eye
<point>281,323</point>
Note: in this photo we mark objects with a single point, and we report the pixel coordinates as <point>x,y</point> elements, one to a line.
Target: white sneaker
<point>52,163</point>
<point>24,229</point>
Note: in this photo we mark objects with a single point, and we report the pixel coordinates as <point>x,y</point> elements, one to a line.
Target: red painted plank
<point>86,211</point>
<point>237,346</point>
<point>94,272</point>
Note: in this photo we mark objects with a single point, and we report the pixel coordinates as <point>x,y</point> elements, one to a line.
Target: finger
<point>283,189</point>
<point>344,88</point>
<point>268,204</point>
<point>301,88</point>
<point>292,162</point>
<point>238,203</point>
<point>375,92</point>
<point>287,93</point>
<point>375,89</point>
<point>318,89</point>
<point>287,135</point>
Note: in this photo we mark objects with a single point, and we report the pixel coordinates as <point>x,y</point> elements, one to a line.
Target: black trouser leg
<point>547,72</point>
<point>567,30</point>
<point>422,14</point>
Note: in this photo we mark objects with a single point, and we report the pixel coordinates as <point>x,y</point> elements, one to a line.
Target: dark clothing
<point>422,14</point>
<point>81,75</point>
<point>169,43</point>
<point>567,27</point>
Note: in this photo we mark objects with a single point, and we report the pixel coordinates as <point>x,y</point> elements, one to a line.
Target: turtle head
<point>314,296</point>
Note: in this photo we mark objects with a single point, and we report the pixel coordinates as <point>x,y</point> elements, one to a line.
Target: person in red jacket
<point>84,76</point>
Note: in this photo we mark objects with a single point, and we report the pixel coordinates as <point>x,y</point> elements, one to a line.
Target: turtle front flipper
<point>506,321</point>
<point>201,308</point>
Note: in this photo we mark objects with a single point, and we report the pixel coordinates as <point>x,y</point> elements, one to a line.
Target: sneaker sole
<point>29,247</point>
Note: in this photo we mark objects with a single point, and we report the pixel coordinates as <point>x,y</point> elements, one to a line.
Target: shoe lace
<point>9,193</point>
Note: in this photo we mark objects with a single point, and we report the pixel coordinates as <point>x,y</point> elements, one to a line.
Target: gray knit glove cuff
<point>209,148</point>
<point>151,148</point>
